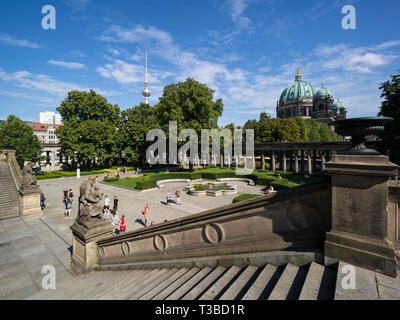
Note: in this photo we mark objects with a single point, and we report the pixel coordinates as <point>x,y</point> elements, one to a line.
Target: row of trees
<point>290,130</point>
<point>96,132</point>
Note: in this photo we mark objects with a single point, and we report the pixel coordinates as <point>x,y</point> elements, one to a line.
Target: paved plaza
<point>131,202</point>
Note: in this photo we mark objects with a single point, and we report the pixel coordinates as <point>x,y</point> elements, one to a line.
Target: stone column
<point>360,224</point>
<point>322,161</point>
<point>263,161</point>
<point>284,162</point>
<point>302,161</point>
<point>221,162</point>
<point>314,161</point>
<point>229,161</point>
<point>53,160</point>
<point>309,163</point>
<point>85,251</point>
<point>296,162</point>
<point>272,161</point>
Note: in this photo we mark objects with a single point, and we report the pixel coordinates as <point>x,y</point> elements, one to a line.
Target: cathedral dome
<point>298,90</point>
<point>339,107</point>
<point>323,92</point>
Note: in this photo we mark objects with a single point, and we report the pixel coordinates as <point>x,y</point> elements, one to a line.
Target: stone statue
<point>29,182</point>
<point>90,208</point>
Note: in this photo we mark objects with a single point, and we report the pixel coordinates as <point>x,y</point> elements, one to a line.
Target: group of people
<point>68,198</point>
<point>115,220</point>
<point>177,197</point>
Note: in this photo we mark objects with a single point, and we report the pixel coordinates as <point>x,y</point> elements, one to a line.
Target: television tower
<point>146,91</point>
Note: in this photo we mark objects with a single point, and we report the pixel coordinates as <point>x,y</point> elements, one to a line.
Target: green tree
<point>191,104</point>
<point>135,123</point>
<point>90,128</point>
<point>17,135</point>
<point>390,107</point>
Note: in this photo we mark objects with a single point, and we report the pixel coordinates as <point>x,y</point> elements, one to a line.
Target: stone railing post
<point>360,223</point>
<point>302,161</point>
<point>273,161</point>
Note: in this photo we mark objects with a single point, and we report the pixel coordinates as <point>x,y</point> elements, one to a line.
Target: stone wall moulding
<point>291,219</point>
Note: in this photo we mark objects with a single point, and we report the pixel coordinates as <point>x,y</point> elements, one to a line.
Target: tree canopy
<point>390,107</point>
<point>191,104</point>
<point>90,128</point>
<point>17,135</point>
<point>290,130</point>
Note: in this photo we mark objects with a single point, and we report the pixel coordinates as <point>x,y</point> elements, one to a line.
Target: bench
<point>160,183</point>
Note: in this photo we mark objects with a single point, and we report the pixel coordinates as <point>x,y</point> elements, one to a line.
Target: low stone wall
<point>293,219</point>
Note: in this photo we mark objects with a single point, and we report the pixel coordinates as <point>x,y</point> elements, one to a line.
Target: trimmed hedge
<point>48,175</point>
<point>145,184</point>
<point>243,197</point>
<point>111,179</point>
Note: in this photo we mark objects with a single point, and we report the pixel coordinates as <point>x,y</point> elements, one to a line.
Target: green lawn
<point>262,177</point>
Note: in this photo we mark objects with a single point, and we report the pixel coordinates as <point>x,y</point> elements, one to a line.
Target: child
<point>115,207</point>
<point>178,196</point>
<point>122,224</point>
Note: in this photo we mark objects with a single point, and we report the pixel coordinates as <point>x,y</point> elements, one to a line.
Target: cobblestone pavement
<point>131,202</point>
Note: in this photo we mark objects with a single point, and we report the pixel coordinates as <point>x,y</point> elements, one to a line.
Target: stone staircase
<point>29,243</point>
<point>9,207</point>
<point>286,282</point>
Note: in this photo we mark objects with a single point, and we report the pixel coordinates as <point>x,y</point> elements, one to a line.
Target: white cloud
<point>46,84</point>
<point>11,40</point>
<point>137,34</point>
<point>68,65</point>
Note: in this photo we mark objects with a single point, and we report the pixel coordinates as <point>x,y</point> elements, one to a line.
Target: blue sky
<point>246,50</point>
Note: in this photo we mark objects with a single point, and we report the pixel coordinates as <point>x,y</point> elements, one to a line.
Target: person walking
<point>106,208</point>
<point>70,194</point>
<point>115,207</point>
<point>68,207</point>
<point>169,198</point>
<point>145,212</point>
<point>115,222</point>
<point>178,196</point>
<point>42,200</point>
<point>65,194</point>
<point>122,224</point>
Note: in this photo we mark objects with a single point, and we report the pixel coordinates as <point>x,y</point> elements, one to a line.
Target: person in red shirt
<point>122,224</point>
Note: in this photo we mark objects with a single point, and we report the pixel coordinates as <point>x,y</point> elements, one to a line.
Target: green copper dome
<point>337,105</point>
<point>298,90</point>
<point>323,92</point>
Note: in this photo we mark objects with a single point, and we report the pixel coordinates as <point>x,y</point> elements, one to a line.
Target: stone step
<point>283,286</point>
<point>217,289</point>
<point>98,283</point>
<point>365,288</point>
<point>191,283</point>
<point>153,284</point>
<point>119,283</point>
<point>160,287</point>
<point>176,284</point>
<point>127,288</point>
<point>204,284</point>
<point>241,284</point>
<point>264,283</point>
<point>313,282</point>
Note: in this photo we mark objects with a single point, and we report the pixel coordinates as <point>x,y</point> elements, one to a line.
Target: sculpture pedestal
<point>30,203</point>
<point>85,250</point>
<point>359,231</point>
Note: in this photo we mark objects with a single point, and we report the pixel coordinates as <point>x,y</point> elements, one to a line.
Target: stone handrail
<point>292,219</point>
